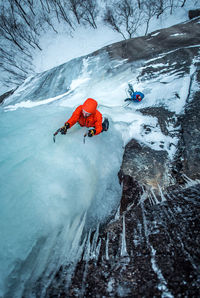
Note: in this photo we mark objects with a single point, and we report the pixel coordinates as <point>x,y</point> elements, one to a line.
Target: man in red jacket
<point>87,115</point>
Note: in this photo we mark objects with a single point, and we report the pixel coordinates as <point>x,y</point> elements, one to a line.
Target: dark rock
<point>7,94</point>
<point>188,155</point>
<point>143,164</point>
<point>194,13</point>
<point>131,189</point>
<point>162,253</point>
<point>164,117</point>
<point>178,36</point>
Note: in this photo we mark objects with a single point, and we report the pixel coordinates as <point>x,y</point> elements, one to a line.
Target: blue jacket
<point>136,94</point>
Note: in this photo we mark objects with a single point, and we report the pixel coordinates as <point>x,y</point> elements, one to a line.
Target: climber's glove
<point>64,129</point>
<point>91,132</point>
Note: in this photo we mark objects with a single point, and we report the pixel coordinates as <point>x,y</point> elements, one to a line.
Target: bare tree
<point>150,9</point>
<point>60,8</point>
<point>160,5</point>
<point>75,7</point>
<point>139,4</point>
<point>8,30</point>
<point>45,6</point>
<point>125,18</point>
<point>46,18</point>
<point>183,3</point>
<point>171,5</point>
<point>15,70</point>
<point>110,20</point>
<point>89,12</point>
<point>14,30</point>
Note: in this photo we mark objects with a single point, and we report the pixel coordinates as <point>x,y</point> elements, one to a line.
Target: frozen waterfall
<point>51,191</point>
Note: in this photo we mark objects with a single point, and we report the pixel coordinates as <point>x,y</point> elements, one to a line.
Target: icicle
<point>154,196</point>
<point>94,242</point>
<point>130,206</point>
<point>190,182</point>
<point>151,200</point>
<point>145,225</point>
<point>98,250</point>
<point>123,247</point>
<point>143,197</point>
<point>87,248</point>
<point>161,194</point>
<point>107,243</point>
<point>117,215</point>
<point>170,196</point>
<point>75,248</point>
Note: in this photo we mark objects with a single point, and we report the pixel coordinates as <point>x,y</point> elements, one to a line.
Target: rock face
<point>188,157</point>
<point>145,165</point>
<point>152,248</point>
<point>151,251</point>
<point>148,166</point>
<point>158,42</point>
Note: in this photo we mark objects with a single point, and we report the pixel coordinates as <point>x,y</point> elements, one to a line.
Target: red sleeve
<point>75,116</point>
<point>98,122</point>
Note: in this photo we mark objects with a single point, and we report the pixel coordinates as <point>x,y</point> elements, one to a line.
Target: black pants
<point>105,125</point>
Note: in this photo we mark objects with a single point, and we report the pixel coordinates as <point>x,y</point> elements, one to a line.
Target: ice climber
<point>134,96</point>
<point>87,115</point>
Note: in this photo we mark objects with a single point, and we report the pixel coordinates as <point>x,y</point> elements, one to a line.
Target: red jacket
<point>94,120</point>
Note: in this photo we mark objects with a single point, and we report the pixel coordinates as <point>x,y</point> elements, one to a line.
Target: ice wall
<point>45,186</point>
<point>50,190</point>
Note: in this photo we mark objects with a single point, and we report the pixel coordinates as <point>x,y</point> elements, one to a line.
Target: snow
<point>155,34</point>
<point>62,47</point>
<point>177,34</point>
<point>30,104</point>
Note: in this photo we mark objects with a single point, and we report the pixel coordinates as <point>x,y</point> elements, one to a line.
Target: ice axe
<point>85,135</point>
<point>55,134</point>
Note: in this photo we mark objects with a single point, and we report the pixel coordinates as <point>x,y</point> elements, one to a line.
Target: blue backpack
<point>135,95</point>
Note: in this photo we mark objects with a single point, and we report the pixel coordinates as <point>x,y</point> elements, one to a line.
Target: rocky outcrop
<point>152,250</point>
<point>188,154</point>
<point>146,166</point>
<point>158,42</point>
